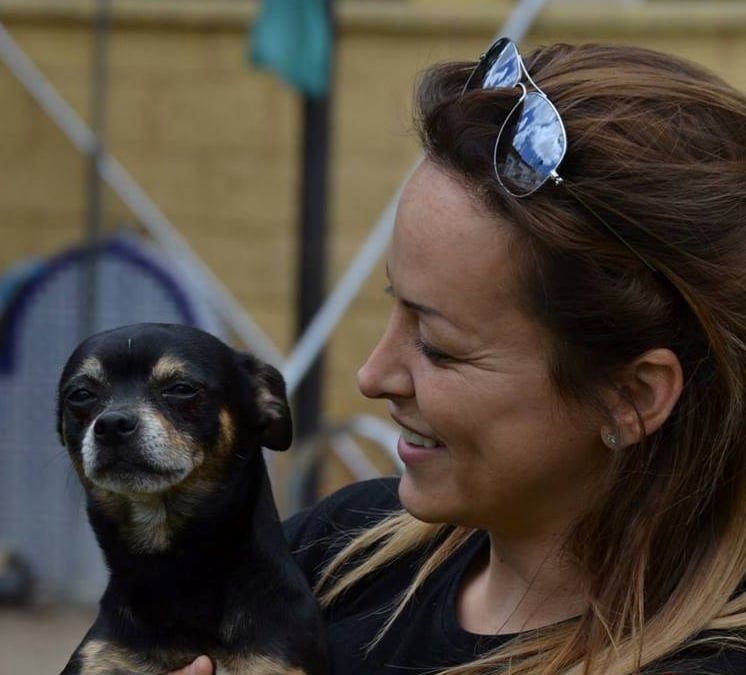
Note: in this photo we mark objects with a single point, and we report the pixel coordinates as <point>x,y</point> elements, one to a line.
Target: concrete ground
<point>39,640</point>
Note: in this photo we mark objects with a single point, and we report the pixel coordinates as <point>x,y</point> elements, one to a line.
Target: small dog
<point>164,425</point>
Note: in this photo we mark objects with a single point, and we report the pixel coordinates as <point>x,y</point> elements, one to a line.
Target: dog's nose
<point>114,426</point>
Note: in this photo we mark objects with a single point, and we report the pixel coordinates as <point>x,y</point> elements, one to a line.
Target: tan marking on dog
<point>168,366</point>
<point>177,449</point>
<point>92,368</point>
<point>227,433</point>
<point>104,658</point>
<point>159,443</point>
<point>148,524</point>
<point>145,523</point>
<point>152,524</point>
<point>150,528</point>
<point>255,664</point>
<point>210,461</point>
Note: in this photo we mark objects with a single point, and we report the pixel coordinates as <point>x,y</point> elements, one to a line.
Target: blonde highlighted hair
<point>657,149</point>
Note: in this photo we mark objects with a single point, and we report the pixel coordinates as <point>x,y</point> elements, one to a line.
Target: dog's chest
<point>151,527</point>
<point>255,665</point>
<point>143,526</point>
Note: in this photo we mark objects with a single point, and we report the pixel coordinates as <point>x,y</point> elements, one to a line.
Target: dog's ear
<point>276,420</point>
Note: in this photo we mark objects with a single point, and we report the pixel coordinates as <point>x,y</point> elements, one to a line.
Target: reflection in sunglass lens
<point>502,66</point>
<point>530,146</point>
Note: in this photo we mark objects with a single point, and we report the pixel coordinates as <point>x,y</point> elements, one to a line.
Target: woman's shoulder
<point>317,533</point>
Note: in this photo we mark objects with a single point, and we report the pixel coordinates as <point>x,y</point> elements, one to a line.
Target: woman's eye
<point>180,390</point>
<point>431,353</point>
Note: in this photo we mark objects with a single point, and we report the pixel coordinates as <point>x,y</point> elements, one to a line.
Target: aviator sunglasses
<point>531,142</point>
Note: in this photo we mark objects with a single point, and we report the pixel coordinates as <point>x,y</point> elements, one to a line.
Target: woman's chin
<point>421,500</point>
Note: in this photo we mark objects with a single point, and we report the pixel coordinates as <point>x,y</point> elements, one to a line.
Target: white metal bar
<point>45,94</point>
<point>521,19</point>
<point>326,319</point>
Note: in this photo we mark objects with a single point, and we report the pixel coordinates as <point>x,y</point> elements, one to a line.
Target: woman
<point>566,357</point>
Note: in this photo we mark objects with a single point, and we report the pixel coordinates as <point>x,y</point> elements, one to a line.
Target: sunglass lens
<point>530,145</point>
<point>499,67</point>
<point>502,65</point>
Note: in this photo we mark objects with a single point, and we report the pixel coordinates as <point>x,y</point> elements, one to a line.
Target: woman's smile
<point>413,438</point>
<point>413,448</point>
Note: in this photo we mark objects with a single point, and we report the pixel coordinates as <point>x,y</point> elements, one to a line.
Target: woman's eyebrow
<point>415,306</point>
<point>421,309</point>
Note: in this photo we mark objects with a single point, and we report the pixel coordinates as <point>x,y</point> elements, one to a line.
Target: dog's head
<point>143,408</point>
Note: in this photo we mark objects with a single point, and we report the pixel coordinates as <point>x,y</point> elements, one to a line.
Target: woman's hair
<point>656,151</point>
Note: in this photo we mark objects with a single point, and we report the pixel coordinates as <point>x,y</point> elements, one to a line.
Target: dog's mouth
<point>126,477</point>
<point>128,473</point>
<point>135,454</point>
<point>132,467</point>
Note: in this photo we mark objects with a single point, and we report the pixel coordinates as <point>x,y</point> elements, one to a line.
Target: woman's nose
<point>385,373</point>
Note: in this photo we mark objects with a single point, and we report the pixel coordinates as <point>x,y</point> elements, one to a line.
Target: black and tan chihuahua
<point>165,426</point>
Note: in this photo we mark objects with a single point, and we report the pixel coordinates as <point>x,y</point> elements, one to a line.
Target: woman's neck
<point>513,588</point>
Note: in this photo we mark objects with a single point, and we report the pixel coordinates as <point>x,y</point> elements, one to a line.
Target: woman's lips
<point>413,438</point>
<point>414,448</point>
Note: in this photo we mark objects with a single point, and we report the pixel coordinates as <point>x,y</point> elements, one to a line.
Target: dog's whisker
<point>55,458</point>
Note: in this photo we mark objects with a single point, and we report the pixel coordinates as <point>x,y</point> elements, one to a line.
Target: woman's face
<point>486,441</point>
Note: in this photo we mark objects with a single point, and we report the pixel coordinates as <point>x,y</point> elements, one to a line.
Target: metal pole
<point>94,184</point>
<point>312,264</point>
<point>328,316</point>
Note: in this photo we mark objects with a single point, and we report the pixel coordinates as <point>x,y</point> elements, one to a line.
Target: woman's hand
<point>200,666</point>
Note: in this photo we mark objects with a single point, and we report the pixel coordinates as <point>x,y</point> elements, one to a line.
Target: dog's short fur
<point>164,425</point>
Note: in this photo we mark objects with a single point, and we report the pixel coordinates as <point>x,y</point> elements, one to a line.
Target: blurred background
<point>231,164</point>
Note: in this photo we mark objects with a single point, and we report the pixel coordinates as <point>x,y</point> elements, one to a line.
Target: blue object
<point>294,39</point>
<point>37,277</point>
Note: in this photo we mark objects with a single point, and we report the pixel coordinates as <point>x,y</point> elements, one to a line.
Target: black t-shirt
<point>426,636</point>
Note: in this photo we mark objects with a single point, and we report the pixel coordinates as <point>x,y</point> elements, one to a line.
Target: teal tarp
<point>294,39</point>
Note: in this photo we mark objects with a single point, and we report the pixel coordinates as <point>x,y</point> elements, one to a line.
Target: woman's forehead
<point>448,253</point>
<point>441,226</point>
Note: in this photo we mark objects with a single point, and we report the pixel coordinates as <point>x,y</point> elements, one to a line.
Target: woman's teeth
<point>415,439</point>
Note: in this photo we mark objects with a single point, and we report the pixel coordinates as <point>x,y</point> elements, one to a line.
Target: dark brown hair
<point>656,150</point>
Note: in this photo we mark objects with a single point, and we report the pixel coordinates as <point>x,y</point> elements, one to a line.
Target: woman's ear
<point>645,393</point>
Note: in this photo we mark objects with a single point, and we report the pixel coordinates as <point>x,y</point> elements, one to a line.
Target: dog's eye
<point>180,390</point>
<point>80,396</point>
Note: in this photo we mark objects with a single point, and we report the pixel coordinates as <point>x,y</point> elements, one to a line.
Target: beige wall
<point>214,142</point>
